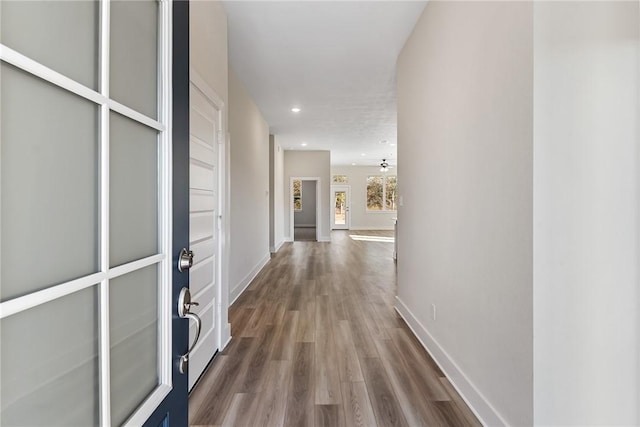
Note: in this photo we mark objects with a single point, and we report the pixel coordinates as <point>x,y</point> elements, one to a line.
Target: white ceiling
<point>336,60</point>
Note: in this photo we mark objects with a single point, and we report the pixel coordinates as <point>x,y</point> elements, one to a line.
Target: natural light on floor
<point>372,238</point>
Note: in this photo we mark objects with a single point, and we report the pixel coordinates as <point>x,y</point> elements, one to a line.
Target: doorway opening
<point>305,203</point>
<point>340,207</point>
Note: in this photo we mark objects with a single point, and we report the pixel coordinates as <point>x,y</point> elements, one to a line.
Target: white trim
<point>134,115</point>
<point>478,404</point>
<point>105,337</point>
<point>225,231</point>
<point>324,239</point>
<point>29,65</point>
<point>165,368</point>
<point>292,211</point>
<point>201,85</point>
<point>347,223</point>
<point>135,265</point>
<point>287,240</point>
<point>246,281</point>
<point>105,362</point>
<point>165,217</point>
<point>150,404</point>
<point>277,246</point>
<point>34,299</point>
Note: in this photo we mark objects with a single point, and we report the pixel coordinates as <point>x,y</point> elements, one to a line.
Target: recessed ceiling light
<point>392,144</point>
<point>363,154</point>
<point>304,144</point>
<point>295,110</point>
<point>353,164</point>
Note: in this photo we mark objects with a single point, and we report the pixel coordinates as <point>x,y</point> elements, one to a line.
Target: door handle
<point>184,307</point>
<point>185,260</point>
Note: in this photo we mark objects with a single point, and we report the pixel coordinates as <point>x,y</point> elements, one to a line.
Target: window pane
<point>41,30</point>
<point>134,190</point>
<point>340,179</point>
<point>391,193</point>
<point>49,367</point>
<point>340,210</point>
<point>134,54</point>
<point>133,315</point>
<point>297,195</point>
<point>49,203</point>
<point>374,193</point>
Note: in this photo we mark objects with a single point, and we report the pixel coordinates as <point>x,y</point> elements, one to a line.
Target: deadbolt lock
<point>185,260</point>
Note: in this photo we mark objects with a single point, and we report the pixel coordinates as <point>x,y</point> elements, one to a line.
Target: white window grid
<point>162,259</point>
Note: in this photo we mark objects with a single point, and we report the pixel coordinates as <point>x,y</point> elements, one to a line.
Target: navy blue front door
<point>174,410</point>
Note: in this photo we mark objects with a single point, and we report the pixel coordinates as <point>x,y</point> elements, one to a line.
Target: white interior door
<point>85,289</point>
<point>205,139</point>
<point>340,207</point>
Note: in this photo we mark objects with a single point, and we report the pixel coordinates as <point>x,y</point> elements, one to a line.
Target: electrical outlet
<point>433,311</point>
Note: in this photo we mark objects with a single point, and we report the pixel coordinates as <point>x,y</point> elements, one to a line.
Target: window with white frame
<point>340,179</point>
<point>297,195</point>
<point>382,193</point>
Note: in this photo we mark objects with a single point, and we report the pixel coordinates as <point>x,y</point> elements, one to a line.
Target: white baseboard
<point>237,290</point>
<point>324,239</point>
<point>277,247</point>
<point>479,405</point>
<point>288,240</point>
<point>379,227</point>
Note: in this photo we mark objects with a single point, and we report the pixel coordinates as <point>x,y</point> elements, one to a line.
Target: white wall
<point>361,219</point>
<point>308,164</point>
<point>465,173</point>
<point>586,195</point>
<point>276,190</point>
<point>306,217</point>
<point>209,57</point>
<point>249,187</point>
<point>208,45</point>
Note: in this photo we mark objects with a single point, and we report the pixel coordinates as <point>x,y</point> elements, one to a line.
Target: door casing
<point>292,210</point>
<point>347,190</point>
<point>220,218</point>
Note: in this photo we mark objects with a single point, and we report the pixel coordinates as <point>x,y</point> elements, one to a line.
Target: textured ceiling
<point>335,60</point>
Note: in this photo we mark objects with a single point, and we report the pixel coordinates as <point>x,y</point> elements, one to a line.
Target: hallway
<point>316,341</point>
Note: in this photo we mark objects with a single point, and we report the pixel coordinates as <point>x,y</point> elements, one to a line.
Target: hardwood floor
<point>304,234</point>
<point>317,342</point>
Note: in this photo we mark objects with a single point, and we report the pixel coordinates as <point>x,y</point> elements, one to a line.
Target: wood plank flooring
<point>317,342</point>
<point>304,234</point>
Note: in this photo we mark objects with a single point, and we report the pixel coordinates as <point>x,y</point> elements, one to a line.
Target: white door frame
<point>292,210</point>
<point>220,223</point>
<point>347,189</point>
